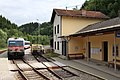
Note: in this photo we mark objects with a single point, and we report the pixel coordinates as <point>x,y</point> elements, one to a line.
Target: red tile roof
<point>78,13</point>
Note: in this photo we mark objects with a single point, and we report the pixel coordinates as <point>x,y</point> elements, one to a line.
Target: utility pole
<point>38,32</point>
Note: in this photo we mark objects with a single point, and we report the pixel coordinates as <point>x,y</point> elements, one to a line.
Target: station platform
<point>91,68</point>
<point>5,74</point>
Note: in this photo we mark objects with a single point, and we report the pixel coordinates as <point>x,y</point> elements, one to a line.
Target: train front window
<point>15,43</point>
<point>12,43</point>
<point>19,43</point>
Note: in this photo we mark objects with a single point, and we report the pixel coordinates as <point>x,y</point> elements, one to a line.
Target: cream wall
<point>75,45</point>
<point>118,43</point>
<point>79,45</point>
<point>70,25</point>
<point>97,41</point>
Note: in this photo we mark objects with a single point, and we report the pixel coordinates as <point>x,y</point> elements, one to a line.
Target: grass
<point>3,49</point>
<point>51,54</point>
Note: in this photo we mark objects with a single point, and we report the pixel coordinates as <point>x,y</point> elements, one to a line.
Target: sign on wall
<point>118,34</point>
<point>95,50</point>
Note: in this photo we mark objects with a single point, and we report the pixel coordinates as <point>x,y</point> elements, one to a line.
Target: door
<point>64,48</point>
<point>89,50</point>
<point>105,51</point>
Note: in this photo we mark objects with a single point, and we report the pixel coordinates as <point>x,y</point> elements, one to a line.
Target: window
<point>58,28</point>
<point>57,45</point>
<point>15,43</point>
<point>55,29</point>
<point>117,50</point>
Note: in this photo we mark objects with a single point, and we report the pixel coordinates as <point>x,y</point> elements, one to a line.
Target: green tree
<point>108,7</point>
<point>35,29</point>
<point>3,38</point>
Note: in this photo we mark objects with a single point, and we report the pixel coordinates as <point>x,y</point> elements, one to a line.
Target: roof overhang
<point>63,36</point>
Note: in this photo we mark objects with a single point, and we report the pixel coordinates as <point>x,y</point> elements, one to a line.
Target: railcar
<point>27,44</point>
<point>37,49</point>
<point>15,47</point>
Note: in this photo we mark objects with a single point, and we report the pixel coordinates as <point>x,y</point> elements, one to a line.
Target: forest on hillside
<point>30,31</point>
<point>108,7</point>
<point>35,32</point>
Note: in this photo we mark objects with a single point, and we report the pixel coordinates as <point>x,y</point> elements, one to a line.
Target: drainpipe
<point>87,49</point>
<point>115,50</point>
<point>67,49</point>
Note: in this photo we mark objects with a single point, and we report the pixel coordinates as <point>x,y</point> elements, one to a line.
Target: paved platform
<point>5,74</point>
<point>100,67</point>
<point>91,68</point>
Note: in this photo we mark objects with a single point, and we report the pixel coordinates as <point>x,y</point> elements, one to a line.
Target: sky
<point>24,11</point>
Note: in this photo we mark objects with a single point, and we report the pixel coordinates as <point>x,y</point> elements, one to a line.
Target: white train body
<point>15,47</point>
<point>27,44</point>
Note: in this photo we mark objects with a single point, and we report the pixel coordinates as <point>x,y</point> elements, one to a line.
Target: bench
<point>111,64</point>
<point>76,56</point>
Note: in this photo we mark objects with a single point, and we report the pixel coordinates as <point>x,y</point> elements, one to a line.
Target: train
<point>37,49</point>
<point>16,47</point>
<point>27,45</point>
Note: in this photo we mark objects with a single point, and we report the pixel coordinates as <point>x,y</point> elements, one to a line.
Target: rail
<point>59,71</point>
<point>27,75</point>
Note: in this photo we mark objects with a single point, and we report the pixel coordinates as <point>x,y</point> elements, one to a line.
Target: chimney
<point>83,12</point>
<point>66,8</point>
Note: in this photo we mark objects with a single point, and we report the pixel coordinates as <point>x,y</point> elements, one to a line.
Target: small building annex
<point>98,40</point>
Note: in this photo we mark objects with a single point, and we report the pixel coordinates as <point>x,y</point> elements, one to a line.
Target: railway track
<point>27,70</point>
<point>68,73</point>
<point>44,70</point>
<point>57,70</point>
<point>53,71</point>
<point>28,73</point>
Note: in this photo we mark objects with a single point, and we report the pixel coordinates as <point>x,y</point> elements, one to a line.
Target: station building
<point>66,22</point>
<point>86,32</point>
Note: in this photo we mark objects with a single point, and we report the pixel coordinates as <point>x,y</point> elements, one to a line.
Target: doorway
<point>105,51</point>
<point>64,48</point>
<point>89,50</point>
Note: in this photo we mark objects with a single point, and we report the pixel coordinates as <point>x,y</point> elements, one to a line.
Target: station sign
<point>118,34</point>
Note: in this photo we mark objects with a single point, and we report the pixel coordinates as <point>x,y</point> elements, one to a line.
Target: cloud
<point>24,11</point>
